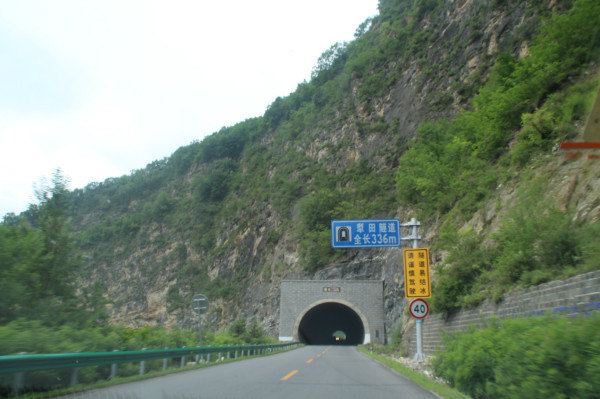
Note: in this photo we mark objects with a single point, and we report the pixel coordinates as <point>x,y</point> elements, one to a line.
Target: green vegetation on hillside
<point>454,165</point>
<point>45,308</point>
<point>457,163</point>
<point>210,215</point>
<point>535,243</point>
<point>536,357</point>
<point>34,336</point>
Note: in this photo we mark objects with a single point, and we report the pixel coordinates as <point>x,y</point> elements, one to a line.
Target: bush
<point>34,337</point>
<point>315,250</point>
<point>467,260</point>
<point>213,186</point>
<point>556,119</point>
<point>229,142</point>
<point>545,357</point>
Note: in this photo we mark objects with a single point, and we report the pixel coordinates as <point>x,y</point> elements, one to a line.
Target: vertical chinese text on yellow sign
<point>416,273</point>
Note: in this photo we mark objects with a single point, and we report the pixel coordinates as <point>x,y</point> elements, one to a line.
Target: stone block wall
<point>573,296</point>
<point>365,297</point>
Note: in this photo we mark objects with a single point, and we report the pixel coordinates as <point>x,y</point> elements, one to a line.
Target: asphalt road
<point>309,372</point>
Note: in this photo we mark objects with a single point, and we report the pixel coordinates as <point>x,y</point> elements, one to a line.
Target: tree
<point>21,250</point>
<point>238,328</point>
<point>59,257</point>
<point>255,333</point>
<point>39,264</point>
<point>330,63</point>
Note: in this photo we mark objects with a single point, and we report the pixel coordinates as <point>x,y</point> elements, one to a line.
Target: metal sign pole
<point>419,355</point>
<point>414,237</point>
<point>419,323</point>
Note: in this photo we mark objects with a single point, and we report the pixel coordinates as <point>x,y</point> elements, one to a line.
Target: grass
<point>134,378</point>
<point>420,379</point>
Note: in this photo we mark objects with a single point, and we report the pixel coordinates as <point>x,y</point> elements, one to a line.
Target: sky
<point>101,88</point>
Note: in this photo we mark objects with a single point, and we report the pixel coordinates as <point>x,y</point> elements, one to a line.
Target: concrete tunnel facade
<point>315,311</point>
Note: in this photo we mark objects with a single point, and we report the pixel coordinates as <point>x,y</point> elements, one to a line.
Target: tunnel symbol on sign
<point>343,234</point>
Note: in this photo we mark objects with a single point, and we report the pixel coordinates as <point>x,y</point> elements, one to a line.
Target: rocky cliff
<point>235,214</point>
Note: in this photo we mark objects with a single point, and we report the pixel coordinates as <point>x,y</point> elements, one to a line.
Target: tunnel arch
<point>342,305</point>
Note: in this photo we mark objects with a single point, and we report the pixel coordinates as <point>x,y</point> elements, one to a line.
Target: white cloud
<point>131,81</point>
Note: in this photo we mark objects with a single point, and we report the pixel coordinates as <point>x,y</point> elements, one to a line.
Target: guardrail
<point>22,363</point>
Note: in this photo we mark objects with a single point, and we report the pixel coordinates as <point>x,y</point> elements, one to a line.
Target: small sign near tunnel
<point>365,233</point>
<point>199,304</point>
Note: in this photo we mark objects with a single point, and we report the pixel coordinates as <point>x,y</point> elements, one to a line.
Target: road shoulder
<point>438,389</point>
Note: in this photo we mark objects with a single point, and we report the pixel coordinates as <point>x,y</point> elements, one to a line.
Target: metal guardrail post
<point>18,382</point>
<point>113,369</point>
<point>182,361</point>
<point>74,374</point>
<point>143,365</point>
<point>164,364</point>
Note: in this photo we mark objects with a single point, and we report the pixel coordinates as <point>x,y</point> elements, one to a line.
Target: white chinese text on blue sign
<point>365,233</point>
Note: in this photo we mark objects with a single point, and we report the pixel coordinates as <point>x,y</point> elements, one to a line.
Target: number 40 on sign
<point>418,308</point>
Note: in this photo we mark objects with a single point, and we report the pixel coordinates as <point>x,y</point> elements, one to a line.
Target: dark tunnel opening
<point>322,324</point>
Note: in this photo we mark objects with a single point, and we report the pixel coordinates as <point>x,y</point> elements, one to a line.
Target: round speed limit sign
<point>419,308</point>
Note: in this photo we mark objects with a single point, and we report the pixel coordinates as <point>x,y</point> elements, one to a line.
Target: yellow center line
<point>309,361</point>
<point>289,375</point>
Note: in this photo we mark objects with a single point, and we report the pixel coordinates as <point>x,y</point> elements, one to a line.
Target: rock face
<point>147,277</point>
<point>473,32</point>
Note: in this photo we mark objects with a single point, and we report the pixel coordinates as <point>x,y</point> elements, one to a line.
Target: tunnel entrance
<point>322,324</point>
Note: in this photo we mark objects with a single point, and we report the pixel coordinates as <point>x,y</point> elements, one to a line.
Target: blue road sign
<point>365,233</point>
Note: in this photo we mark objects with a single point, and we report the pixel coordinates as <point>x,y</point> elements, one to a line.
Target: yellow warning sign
<point>416,273</point>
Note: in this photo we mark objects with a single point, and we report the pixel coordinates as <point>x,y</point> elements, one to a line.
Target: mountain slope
<point>251,204</point>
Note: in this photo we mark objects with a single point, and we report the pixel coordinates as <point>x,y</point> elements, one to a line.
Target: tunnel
<point>323,323</point>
